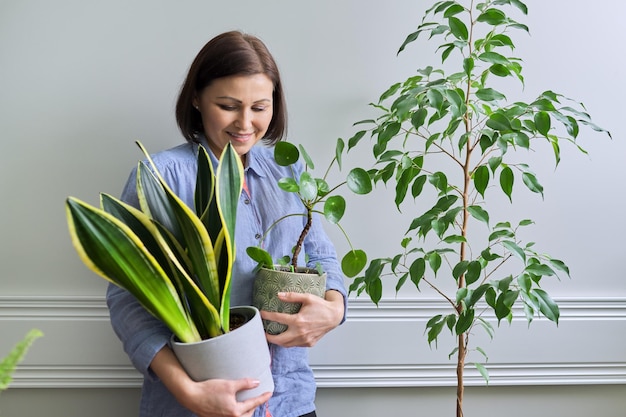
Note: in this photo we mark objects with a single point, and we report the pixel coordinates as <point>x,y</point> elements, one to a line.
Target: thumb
<point>293,297</point>
<point>245,383</point>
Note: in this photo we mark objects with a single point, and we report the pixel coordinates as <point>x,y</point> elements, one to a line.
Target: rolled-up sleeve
<point>142,335</point>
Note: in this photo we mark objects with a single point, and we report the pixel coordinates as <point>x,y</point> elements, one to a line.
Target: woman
<point>233,93</point>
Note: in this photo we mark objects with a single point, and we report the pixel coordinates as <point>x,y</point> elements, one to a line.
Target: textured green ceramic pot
<point>269,283</point>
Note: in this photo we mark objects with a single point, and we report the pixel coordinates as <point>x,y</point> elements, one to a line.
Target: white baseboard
<point>377,346</point>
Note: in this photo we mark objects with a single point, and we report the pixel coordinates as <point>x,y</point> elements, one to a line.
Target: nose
<point>244,119</point>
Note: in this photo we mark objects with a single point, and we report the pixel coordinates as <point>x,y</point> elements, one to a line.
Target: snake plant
<point>177,261</point>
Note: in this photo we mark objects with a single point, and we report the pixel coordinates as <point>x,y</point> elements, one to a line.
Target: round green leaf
<point>308,186</point>
<point>353,262</point>
<point>359,181</point>
<point>286,153</point>
<point>260,255</point>
<point>334,208</point>
<point>288,184</point>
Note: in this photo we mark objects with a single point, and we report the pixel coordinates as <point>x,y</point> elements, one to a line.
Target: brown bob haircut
<point>231,53</point>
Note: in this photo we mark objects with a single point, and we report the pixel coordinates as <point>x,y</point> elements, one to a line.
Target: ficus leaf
<point>542,122</point>
<point>434,260</point>
<point>464,322</point>
<point>547,306</point>
<point>489,94</point>
<point>419,117</point>
<point>514,249</point>
<point>479,213</point>
<point>506,181</point>
<point>458,28</point>
<point>416,270</point>
<point>481,179</point>
<point>473,272</point>
<point>531,182</point>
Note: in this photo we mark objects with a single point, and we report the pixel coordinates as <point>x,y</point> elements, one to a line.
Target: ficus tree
<point>449,140</point>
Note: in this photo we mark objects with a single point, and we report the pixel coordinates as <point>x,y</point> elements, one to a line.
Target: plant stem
<point>305,231</point>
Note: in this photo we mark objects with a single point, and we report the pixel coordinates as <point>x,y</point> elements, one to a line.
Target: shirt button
<point>257,236</point>
<point>246,201</point>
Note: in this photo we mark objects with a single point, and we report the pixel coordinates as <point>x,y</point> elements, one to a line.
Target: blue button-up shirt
<point>143,336</point>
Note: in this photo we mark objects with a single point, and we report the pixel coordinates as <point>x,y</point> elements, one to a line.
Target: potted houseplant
<point>15,356</point>
<point>178,263</point>
<point>452,141</point>
<point>285,274</point>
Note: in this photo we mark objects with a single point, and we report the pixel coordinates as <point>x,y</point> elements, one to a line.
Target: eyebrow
<point>239,101</point>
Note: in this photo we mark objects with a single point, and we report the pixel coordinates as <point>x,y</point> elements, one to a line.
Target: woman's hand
<point>216,398</point>
<point>212,398</point>
<point>316,317</point>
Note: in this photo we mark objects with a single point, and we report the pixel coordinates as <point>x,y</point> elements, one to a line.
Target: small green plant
<point>451,142</point>
<point>313,191</point>
<point>176,262</point>
<point>15,356</point>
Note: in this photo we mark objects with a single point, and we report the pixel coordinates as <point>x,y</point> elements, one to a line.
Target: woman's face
<point>236,109</point>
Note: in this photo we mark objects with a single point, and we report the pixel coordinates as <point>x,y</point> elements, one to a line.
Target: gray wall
<point>81,80</point>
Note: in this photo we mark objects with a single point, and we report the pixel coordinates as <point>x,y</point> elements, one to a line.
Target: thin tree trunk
<point>459,376</point>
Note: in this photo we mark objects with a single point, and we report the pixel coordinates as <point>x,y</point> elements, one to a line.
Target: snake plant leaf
<point>199,247</point>
<point>172,258</point>
<point>168,209</point>
<point>110,248</point>
<point>228,191</point>
<point>154,201</point>
<point>205,187</point>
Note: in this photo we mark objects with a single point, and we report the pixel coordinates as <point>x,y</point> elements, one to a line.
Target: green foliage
<point>15,356</point>
<point>452,141</point>
<point>176,262</point>
<point>313,191</point>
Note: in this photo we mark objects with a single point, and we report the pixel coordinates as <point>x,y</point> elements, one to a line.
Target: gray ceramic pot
<point>269,282</point>
<point>240,353</point>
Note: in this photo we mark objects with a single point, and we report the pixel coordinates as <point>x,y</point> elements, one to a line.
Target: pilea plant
<point>453,142</point>
<point>313,192</point>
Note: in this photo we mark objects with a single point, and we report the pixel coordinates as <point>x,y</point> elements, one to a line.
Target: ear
<point>195,102</point>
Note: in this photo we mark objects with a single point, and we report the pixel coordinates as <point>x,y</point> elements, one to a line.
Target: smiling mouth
<point>241,136</point>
